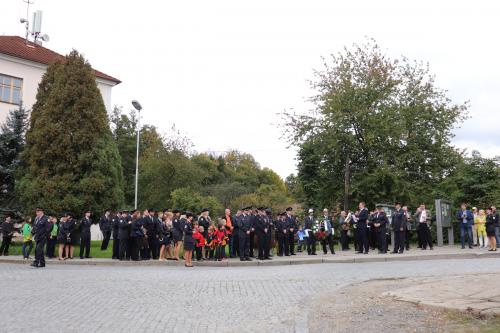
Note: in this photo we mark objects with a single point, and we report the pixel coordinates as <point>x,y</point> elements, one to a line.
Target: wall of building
<point>32,73</point>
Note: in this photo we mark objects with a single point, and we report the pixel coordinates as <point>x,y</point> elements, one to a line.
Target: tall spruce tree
<point>11,145</point>
<point>71,161</point>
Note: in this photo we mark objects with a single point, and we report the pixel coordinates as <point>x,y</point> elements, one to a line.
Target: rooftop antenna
<point>36,24</point>
<point>25,20</point>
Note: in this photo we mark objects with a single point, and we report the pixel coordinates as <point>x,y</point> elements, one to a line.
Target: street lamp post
<point>138,107</point>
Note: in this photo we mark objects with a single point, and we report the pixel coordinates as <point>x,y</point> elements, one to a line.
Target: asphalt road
<point>63,298</point>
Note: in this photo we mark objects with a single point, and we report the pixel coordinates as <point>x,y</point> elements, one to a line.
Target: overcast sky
<point>223,70</point>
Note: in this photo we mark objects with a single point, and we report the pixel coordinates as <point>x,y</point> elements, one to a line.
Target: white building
<point>22,66</point>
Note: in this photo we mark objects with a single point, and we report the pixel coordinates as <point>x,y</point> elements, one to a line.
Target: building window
<point>10,89</point>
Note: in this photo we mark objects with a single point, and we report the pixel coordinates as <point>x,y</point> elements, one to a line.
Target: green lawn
<point>95,250</point>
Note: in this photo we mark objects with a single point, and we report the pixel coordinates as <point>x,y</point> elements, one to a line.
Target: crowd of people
<point>249,233</point>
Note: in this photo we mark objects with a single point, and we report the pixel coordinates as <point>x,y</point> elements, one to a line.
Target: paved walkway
<point>446,252</point>
<point>477,293</point>
<point>77,298</point>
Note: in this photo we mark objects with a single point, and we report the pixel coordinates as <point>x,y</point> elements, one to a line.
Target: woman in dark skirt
<point>61,239</point>
<point>188,239</point>
<point>177,233</point>
<point>490,230</point>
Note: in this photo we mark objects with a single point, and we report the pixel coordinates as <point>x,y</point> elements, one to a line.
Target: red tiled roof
<point>16,46</point>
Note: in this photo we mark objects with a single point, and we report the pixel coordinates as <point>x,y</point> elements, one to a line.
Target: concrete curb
<point>266,263</point>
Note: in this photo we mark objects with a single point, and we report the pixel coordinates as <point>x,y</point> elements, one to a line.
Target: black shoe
<point>280,255</point>
<point>81,257</point>
<point>463,247</point>
<point>407,249</point>
<point>394,252</point>
<point>34,264</point>
<point>248,259</point>
<point>41,266</point>
<point>366,252</point>
<point>242,259</point>
<point>313,253</point>
<point>470,247</point>
<point>359,252</point>
<point>287,255</point>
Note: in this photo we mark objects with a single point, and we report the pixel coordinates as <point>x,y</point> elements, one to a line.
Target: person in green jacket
<point>27,239</point>
<point>52,241</point>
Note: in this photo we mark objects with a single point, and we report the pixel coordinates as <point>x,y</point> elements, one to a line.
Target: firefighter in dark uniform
<point>381,222</point>
<point>254,214</point>
<point>41,231</point>
<point>85,225</point>
<point>399,221</point>
<point>105,226</point>
<point>362,227</point>
<point>263,231</point>
<point>292,227</point>
<point>269,215</point>
<point>124,224</point>
<point>244,229</point>
<point>115,227</point>
<point>152,226</point>
<point>309,225</point>
<point>283,230</point>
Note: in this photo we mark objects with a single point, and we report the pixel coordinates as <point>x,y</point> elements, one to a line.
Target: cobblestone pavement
<point>64,298</point>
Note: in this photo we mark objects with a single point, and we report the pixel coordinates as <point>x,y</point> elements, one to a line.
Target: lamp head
<point>137,105</point>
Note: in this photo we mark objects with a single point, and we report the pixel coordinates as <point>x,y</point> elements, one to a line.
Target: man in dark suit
<point>399,221</point>
<point>244,229</point>
<point>124,224</point>
<point>380,223</point>
<point>105,226</point>
<point>85,225</point>
<point>41,232</point>
<point>292,225</point>
<point>7,228</point>
<point>362,227</point>
<point>115,227</point>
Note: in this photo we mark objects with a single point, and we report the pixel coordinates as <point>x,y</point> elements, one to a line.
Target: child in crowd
<point>27,239</point>
<point>301,243</point>
<point>222,238</point>
<point>200,242</point>
<point>211,243</point>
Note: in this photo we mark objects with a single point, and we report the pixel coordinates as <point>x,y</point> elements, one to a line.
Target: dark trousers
<point>199,252</point>
<point>355,239</point>
<point>251,246</point>
<point>236,243</point>
<point>372,238</point>
<point>328,240</point>
<point>220,252</point>
<point>39,255</point>
<point>244,244</point>
<point>381,240</point>
<point>407,239</point>
<point>230,244</point>
<point>363,240</point>
<point>399,240</point>
<point>135,247</point>
<point>344,240</point>
<point>419,234</point>
<point>116,248</point>
<point>105,240</point>
<point>153,247</point>
<point>425,235</point>
<point>51,247</point>
<point>311,243</point>
<point>263,245</point>
<point>29,245</point>
<point>85,246</point>
<point>123,245</point>
<point>283,246</point>
<point>4,248</point>
<point>291,242</point>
